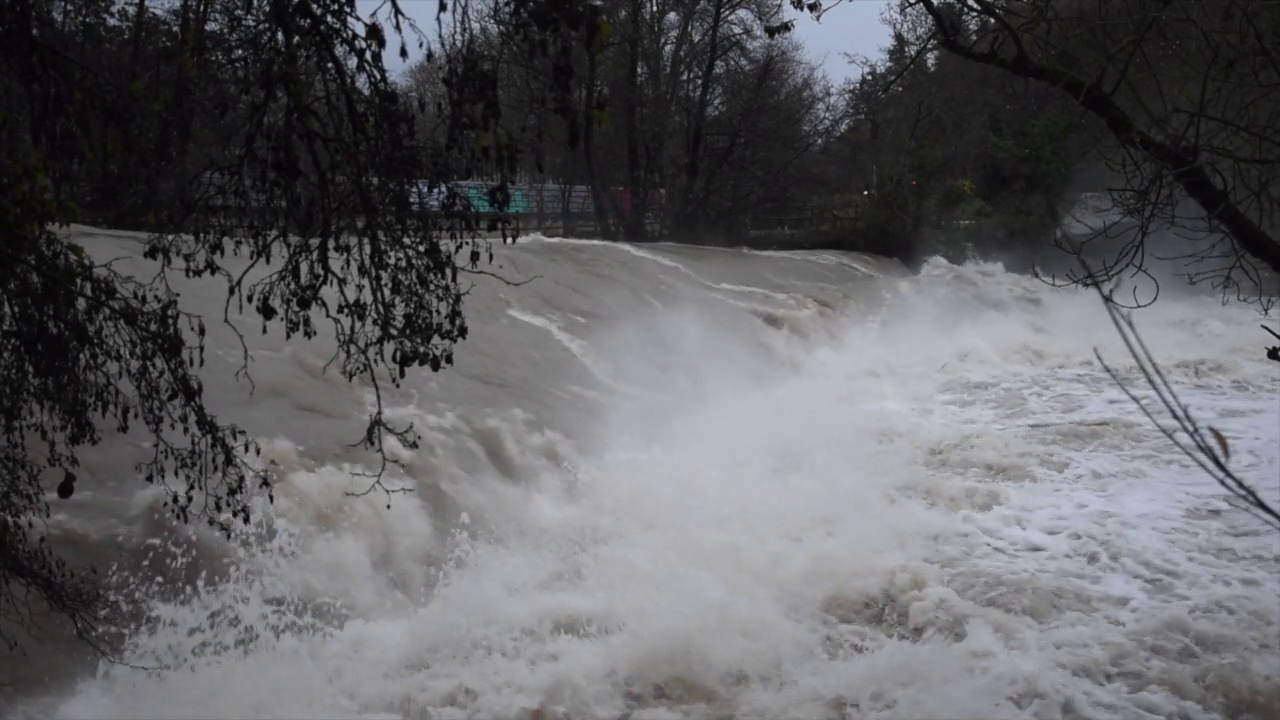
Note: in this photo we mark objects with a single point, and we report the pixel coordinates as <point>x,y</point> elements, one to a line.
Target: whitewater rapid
<point>671,482</point>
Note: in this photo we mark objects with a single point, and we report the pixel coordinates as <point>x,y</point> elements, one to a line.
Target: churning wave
<point>673,482</point>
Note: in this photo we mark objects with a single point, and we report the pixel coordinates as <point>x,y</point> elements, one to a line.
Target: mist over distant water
<point>677,482</point>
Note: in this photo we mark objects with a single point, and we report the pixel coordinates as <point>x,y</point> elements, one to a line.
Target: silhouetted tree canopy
<point>265,130</point>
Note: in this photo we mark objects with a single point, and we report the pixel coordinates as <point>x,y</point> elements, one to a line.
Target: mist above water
<point>669,482</point>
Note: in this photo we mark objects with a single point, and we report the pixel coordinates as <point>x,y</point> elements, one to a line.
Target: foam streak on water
<point>920,497</point>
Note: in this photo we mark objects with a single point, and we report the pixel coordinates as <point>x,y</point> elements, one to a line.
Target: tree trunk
<point>689,216</point>
<point>603,226</point>
<point>632,220</point>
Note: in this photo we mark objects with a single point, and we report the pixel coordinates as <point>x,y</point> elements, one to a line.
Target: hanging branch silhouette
<point>1206,446</point>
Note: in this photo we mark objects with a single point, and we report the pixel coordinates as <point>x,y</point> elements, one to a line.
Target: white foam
<point>668,262</point>
<point>950,511</point>
<point>576,346</point>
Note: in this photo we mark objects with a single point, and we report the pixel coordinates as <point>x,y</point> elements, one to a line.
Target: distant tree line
<point>956,158</point>
<point>973,134</point>
<point>716,106</point>
<point>698,100</point>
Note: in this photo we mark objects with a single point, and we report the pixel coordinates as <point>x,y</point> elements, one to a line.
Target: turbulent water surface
<point>670,482</point>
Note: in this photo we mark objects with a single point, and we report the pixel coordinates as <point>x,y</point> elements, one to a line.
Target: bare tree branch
<point>1206,446</point>
<point>1185,157</point>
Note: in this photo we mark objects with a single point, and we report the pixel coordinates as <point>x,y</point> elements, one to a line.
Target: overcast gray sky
<point>853,26</point>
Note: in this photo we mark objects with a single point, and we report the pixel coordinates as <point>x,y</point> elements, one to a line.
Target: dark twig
<point>1186,434</point>
<point>1273,353</point>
